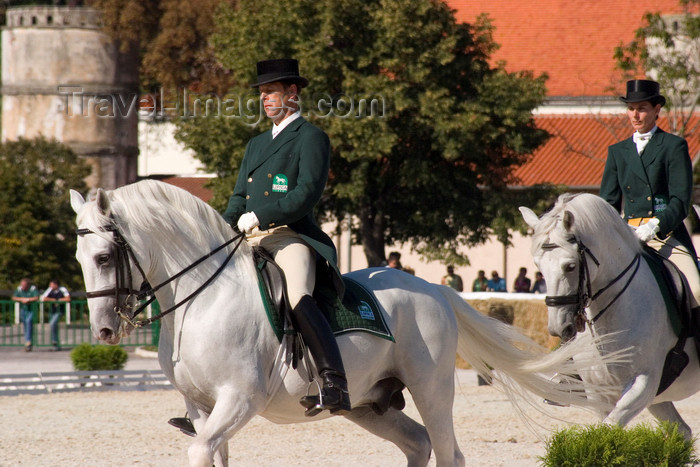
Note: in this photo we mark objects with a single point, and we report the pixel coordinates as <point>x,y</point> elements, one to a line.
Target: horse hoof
<point>184,425</point>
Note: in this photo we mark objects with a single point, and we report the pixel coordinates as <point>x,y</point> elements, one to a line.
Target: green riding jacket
<point>658,183</point>
<point>281,180</point>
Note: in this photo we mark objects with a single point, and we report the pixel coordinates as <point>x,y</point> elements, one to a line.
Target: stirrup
<point>558,404</point>
<point>312,402</point>
<point>315,404</point>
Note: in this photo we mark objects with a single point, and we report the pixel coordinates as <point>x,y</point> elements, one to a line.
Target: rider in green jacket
<point>281,179</point>
<point>652,173</point>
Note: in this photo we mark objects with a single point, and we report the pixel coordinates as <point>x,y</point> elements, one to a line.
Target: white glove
<point>648,231</point>
<point>247,222</point>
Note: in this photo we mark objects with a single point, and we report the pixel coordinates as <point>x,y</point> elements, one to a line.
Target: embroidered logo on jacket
<point>280,184</point>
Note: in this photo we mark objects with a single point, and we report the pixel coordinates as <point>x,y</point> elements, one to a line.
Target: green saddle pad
<point>358,311</point>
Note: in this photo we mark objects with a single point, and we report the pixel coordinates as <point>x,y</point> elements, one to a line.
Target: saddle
<point>358,311</point>
<point>273,281</point>
<point>685,319</point>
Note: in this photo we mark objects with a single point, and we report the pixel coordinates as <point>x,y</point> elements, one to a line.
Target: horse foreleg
<point>213,431</point>
<point>635,397</point>
<point>221,455</point>
<point>666,411</point>
<point>410,436</point>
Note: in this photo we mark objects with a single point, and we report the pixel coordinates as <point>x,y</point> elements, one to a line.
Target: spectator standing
<point>452,280</point>
<point>394,260</point>
<point>26,293</point>
<point>522,283</point>
<point>540,286</point>
<point>55,293</point>
<point>481,283</point>
<point>496,283</point>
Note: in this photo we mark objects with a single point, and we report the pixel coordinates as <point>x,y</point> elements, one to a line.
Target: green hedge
<point>613,446</point>
<point>88,357</point>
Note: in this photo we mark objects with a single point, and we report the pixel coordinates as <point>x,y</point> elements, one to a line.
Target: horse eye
<point>102,259</point>
<point>570,267</point>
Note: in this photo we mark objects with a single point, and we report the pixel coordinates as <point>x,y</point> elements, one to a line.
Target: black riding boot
<point>319,338</point>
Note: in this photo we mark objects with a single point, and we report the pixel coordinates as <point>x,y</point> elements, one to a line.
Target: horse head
<point>110,287</point>
<point>558,261</point>
<point>581,247</point>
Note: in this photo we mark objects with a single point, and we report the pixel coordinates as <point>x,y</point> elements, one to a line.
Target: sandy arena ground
<point>130,429</point>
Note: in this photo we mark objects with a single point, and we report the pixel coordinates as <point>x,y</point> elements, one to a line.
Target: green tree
<point>37,238</point>
<point>430,164</point>
<point>172,39</point>
<point>667,48</point>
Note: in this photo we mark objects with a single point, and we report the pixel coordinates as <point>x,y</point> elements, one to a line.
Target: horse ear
<point>102,201</point>
<point>529,216</point>
<point>76,201</point>
<point>568,220</point>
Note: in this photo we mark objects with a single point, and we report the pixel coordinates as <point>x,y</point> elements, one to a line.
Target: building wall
<point>63,78</point>
<point>490,256</point>
<point>161,154</point>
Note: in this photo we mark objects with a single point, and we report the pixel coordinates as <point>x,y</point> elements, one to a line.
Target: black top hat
<point>640,90</point>
<point>280,69</point>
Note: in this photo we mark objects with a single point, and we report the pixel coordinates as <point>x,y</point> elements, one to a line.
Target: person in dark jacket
<point>281,179</point>
<point>651,172</point>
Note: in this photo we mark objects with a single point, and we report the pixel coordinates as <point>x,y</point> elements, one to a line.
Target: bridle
<point>127,309</point>
<point>583,297</point>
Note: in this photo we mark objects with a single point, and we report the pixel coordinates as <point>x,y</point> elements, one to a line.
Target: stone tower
<point>65,79</point>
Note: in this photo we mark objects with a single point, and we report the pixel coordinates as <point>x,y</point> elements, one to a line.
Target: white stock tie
<point>641,140</point>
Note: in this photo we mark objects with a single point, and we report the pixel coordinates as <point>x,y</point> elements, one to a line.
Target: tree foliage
<point>37,238</point>
<point>667,49</point>
<point>430,163</point>
<point>172,39</point>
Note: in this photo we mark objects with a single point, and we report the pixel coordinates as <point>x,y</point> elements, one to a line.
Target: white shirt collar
<point>642,136</point>
<point>642,139</point>
<point>277,129</point>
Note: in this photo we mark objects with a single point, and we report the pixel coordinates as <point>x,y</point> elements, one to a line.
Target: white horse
<point>219,350</point>
<point>591,261</point>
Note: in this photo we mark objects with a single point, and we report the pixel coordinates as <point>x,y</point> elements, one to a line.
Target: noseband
<point>583,297</point>
<point>123,278</point>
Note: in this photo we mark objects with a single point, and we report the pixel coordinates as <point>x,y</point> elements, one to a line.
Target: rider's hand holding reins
<point>647,231</point>
<point>247,222</point>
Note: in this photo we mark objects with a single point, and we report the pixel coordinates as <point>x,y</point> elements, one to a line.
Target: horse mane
<point>161,211</point>
<point>593,217</point>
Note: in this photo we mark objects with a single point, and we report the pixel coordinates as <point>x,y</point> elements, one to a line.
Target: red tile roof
<point>575,154</point>
<point>195,185</point>
<point>571,40</point>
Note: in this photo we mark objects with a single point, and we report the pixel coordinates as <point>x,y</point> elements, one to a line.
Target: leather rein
<point>123,278</point>
<point>583,297</point>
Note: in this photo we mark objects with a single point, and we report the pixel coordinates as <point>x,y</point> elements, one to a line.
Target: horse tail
<point>500,353</point>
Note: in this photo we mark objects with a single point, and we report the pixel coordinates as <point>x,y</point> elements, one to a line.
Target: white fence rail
<point>72,381</point>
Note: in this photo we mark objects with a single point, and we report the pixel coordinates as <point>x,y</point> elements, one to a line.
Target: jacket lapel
<point>633,159</point>
<point>653,148</point>
<point>287,135</point>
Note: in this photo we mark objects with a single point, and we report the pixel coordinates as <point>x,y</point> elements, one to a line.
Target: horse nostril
<point>568,333</point>
<point>106,334</point>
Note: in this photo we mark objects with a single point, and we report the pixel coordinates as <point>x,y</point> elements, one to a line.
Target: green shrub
<point>87,357</point>
<point>610,446</point>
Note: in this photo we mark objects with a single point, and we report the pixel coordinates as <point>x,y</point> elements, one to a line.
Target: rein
<point>124,257</point>
<point>583,296</point>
